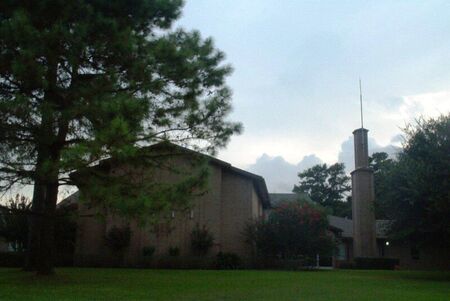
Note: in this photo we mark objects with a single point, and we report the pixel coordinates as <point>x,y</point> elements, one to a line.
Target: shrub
<point>294,230</point>
<point>201,240</point>
<point>345,265</point>
<point>118,238</point>
<point>227,260</point>
<point>16,259</point>
<point>376,263</point>
<point>324,261</point>
<point>148,251</point>
<point>14,222</point>
<point>174,251</point>
<point>147,260</point>
<point>11,259</point>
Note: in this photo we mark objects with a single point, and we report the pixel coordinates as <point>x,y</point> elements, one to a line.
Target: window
<point>173,214</point>
<point>191,214</point>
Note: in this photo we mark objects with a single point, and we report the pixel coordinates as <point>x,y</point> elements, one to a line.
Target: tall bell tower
<point>363,195</point>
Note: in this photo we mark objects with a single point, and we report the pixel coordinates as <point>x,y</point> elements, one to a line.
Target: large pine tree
<point>85,80</point>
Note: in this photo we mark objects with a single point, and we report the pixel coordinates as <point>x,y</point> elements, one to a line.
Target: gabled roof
<point>170,149</point>
<point>342,224</point>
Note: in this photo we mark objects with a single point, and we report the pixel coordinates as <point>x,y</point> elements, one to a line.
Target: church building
<point>236,197</point>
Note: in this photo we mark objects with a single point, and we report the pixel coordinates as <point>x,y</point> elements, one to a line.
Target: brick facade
<point>233,198</point>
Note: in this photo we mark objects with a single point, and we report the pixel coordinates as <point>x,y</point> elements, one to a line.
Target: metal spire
<point>362,117</point>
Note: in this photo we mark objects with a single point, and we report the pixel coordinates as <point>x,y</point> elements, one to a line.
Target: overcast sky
<point>297,64</point>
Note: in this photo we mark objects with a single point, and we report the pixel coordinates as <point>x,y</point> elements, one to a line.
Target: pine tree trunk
<point>40,254</point>
<point>34,228</point>
<point>36,216</point>
<point>45,255</point>
<point>45,195</point>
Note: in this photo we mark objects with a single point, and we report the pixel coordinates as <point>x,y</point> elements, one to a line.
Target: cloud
<point>426,104</point>
<point>279,174</point>
<point>397,140</point>
<point>308,161</point>
<point>411,107</point>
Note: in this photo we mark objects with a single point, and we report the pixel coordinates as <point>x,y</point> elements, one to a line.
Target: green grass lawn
<point>129,284</point>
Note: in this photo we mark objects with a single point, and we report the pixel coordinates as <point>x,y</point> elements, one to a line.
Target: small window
<point>173,214</point>
<point>191,214</point>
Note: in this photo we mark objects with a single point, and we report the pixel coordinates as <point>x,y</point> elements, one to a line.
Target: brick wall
<point>229,203</point>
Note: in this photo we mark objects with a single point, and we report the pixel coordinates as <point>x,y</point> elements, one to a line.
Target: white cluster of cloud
<point>346,154</point>
<point>425,104</point>
<point>281,176</point>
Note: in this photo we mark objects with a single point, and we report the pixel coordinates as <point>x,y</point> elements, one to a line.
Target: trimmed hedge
<point>227,261</point>
<point>376,263</point>
<point>11,259</point>
<point>16,259</point>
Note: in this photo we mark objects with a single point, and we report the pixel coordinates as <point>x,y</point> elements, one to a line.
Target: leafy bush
<point>14,222</point>
<point>325,261</point>
<point>294,230</point>
<point>11,259</point>
<point>201,240</point>
<point>376,263</point>
<point>345,265</point>
<point>174,251</point>
<point>227,260</point>
<point>148,251</point>
<point>16,259</point>
<point>14,216</point>
<point>147,260</point>
<point>118,238</point>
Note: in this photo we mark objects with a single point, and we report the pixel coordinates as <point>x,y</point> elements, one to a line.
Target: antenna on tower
<point>362,117</point>
<point>360,102</point>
